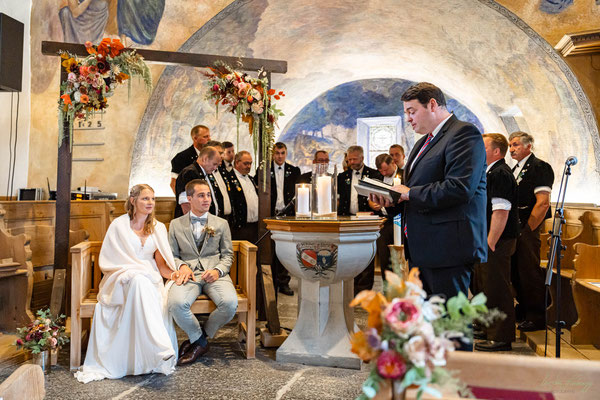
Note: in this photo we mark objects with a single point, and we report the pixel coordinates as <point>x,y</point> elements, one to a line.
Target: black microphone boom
<point>571,160</point>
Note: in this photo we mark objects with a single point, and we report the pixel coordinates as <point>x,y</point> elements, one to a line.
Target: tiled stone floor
<point>224,373</point>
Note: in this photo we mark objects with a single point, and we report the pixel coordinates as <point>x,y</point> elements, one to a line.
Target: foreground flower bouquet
<point>408,336</point>
<point>44,333</point>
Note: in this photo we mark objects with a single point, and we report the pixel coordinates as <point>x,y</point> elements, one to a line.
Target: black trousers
<point>365,280</point>
<point>528,277</point>
<point>493,279</point>
<point>386,237</point>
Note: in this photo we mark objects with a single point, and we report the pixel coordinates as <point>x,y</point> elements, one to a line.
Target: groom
<point>201,244</point>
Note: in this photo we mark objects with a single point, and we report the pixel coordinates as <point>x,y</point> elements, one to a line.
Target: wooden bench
<point>583,234</point>
<point>86,278</point>
<point>27,382</point>
<point>587,295</point>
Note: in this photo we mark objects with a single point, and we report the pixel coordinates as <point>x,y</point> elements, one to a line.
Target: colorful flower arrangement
<point>250,99</point>
<point>91,80</point>
<point>408,336</point>
<point>45,333</point>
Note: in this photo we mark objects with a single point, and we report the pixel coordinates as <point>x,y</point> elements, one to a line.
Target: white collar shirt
<point>353,193</point>
<point>198,227</point>
<point>250,195</point>
<point>279,181</point>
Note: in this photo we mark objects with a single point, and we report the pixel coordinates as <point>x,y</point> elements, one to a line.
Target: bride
<point>132,332</point>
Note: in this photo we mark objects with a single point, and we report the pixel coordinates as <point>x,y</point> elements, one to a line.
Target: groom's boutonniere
<point>209,231</point>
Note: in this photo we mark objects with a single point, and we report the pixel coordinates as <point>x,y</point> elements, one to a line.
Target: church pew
<point>16,280</point>
<point>587,295</point>
<point>27,382</point>
<point>86,279</point>
<point>580,233</point>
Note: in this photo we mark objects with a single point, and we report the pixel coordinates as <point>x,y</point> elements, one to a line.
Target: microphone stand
<point>556,247</point>
<point>279,214</point>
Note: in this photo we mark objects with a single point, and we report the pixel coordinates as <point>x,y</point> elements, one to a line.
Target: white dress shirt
<point>435,132</point>
<point>353,193</point>
<point>223,186</point>
<point>197,227</point>
<point>279,177</point>
<point>250,195</point>
<point>498,203</point>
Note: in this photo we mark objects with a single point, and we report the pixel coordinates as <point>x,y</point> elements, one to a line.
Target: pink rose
<point>416,350</point>
<point>391,365</point>
<point>19,342</point>
<point>402,315</point>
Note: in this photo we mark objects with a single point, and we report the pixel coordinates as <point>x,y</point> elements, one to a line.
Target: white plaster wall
<point>21,11</point>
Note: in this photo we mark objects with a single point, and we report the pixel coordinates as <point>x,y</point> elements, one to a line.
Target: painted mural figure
<point>84,20</point>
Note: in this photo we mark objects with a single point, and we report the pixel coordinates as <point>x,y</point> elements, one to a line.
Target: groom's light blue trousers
<point>221,292</point>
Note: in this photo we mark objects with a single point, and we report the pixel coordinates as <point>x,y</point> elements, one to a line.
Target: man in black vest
<point>221,180</point>
<point>351,203</point>
<point>321,157</point>
<point>493,277</point>
<point>200,136</point>
<point>389,171</point>
<point>283,190</point>
<point>207,162</point>
<point>244,199</point>
<point>534,179</point>
<point>228,156</point>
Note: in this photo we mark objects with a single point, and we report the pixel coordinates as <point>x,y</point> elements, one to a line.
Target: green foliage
<point>44,333</point>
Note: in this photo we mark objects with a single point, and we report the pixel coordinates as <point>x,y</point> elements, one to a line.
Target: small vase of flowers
<point>44,335</point>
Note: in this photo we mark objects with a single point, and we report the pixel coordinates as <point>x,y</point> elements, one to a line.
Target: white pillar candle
<point>397,181</point>
<point>303,200</point>
<point>323,195</point>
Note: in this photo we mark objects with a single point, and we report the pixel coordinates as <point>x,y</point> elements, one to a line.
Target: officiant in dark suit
<point>443,201</point>
<point>207,162</point>
<point>200,136</point>
<point>534,181</point>
<point>283,189</point>
<point>351,203</point>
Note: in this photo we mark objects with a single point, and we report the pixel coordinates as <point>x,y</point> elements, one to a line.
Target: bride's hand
<point>183,275</point>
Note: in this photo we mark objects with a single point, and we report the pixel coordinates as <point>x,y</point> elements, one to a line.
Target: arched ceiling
<point>476,51</point>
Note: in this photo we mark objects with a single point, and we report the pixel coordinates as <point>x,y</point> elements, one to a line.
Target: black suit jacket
<point>501,183</point>
<point>446,214</point>
<point>344,183</point>
<point>238,202</point>
<point>190,173</point>
<point>183,159</point>
<point>535,173</point>
<point>305,178</point>
<point>291,174</point>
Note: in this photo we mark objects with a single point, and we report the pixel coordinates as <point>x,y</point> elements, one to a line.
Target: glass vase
<point>324,191</point>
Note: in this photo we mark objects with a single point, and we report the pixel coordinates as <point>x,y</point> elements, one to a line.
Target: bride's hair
<point>130,207</point>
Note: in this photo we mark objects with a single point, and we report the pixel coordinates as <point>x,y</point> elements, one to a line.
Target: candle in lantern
<point>324,195</point>
<point>397,181</point>
<point>303,200</point>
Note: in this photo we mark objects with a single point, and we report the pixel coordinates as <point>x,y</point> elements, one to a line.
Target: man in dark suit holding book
<point>443,198</point>
<point>351,203</point>
<point>534,179</point>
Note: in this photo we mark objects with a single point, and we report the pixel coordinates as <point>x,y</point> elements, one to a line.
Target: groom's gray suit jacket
<point>216,250</point>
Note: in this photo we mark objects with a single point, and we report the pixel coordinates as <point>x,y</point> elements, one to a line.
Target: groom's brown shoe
<point>192,354</point>
<point>185,346</point>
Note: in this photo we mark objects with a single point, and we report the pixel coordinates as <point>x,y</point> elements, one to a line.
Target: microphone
<point>571,161</point>
<point>286,208</point>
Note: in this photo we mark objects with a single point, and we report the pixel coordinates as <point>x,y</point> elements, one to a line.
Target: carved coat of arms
<point>317,259</point>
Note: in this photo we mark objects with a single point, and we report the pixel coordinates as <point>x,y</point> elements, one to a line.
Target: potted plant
<point>44,335</point>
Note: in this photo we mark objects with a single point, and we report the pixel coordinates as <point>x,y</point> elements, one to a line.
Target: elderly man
<point>534,179</point>
<point>207,162</point>
<point>321,157</point>
<point>244,198</point>
<point>200,136</point>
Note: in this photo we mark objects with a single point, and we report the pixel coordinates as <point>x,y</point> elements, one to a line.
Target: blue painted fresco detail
<point>554,6</point>
<point>139,19</point>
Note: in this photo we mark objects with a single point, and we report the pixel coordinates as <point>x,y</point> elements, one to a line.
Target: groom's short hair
<point>190,187</point>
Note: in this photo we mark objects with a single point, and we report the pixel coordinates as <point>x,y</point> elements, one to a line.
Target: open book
<point>366,186</point>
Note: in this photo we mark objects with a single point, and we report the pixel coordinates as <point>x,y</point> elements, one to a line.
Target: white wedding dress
<point>132,332</point>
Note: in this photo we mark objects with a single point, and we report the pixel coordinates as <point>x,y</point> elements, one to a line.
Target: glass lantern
<point>324,191</point>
